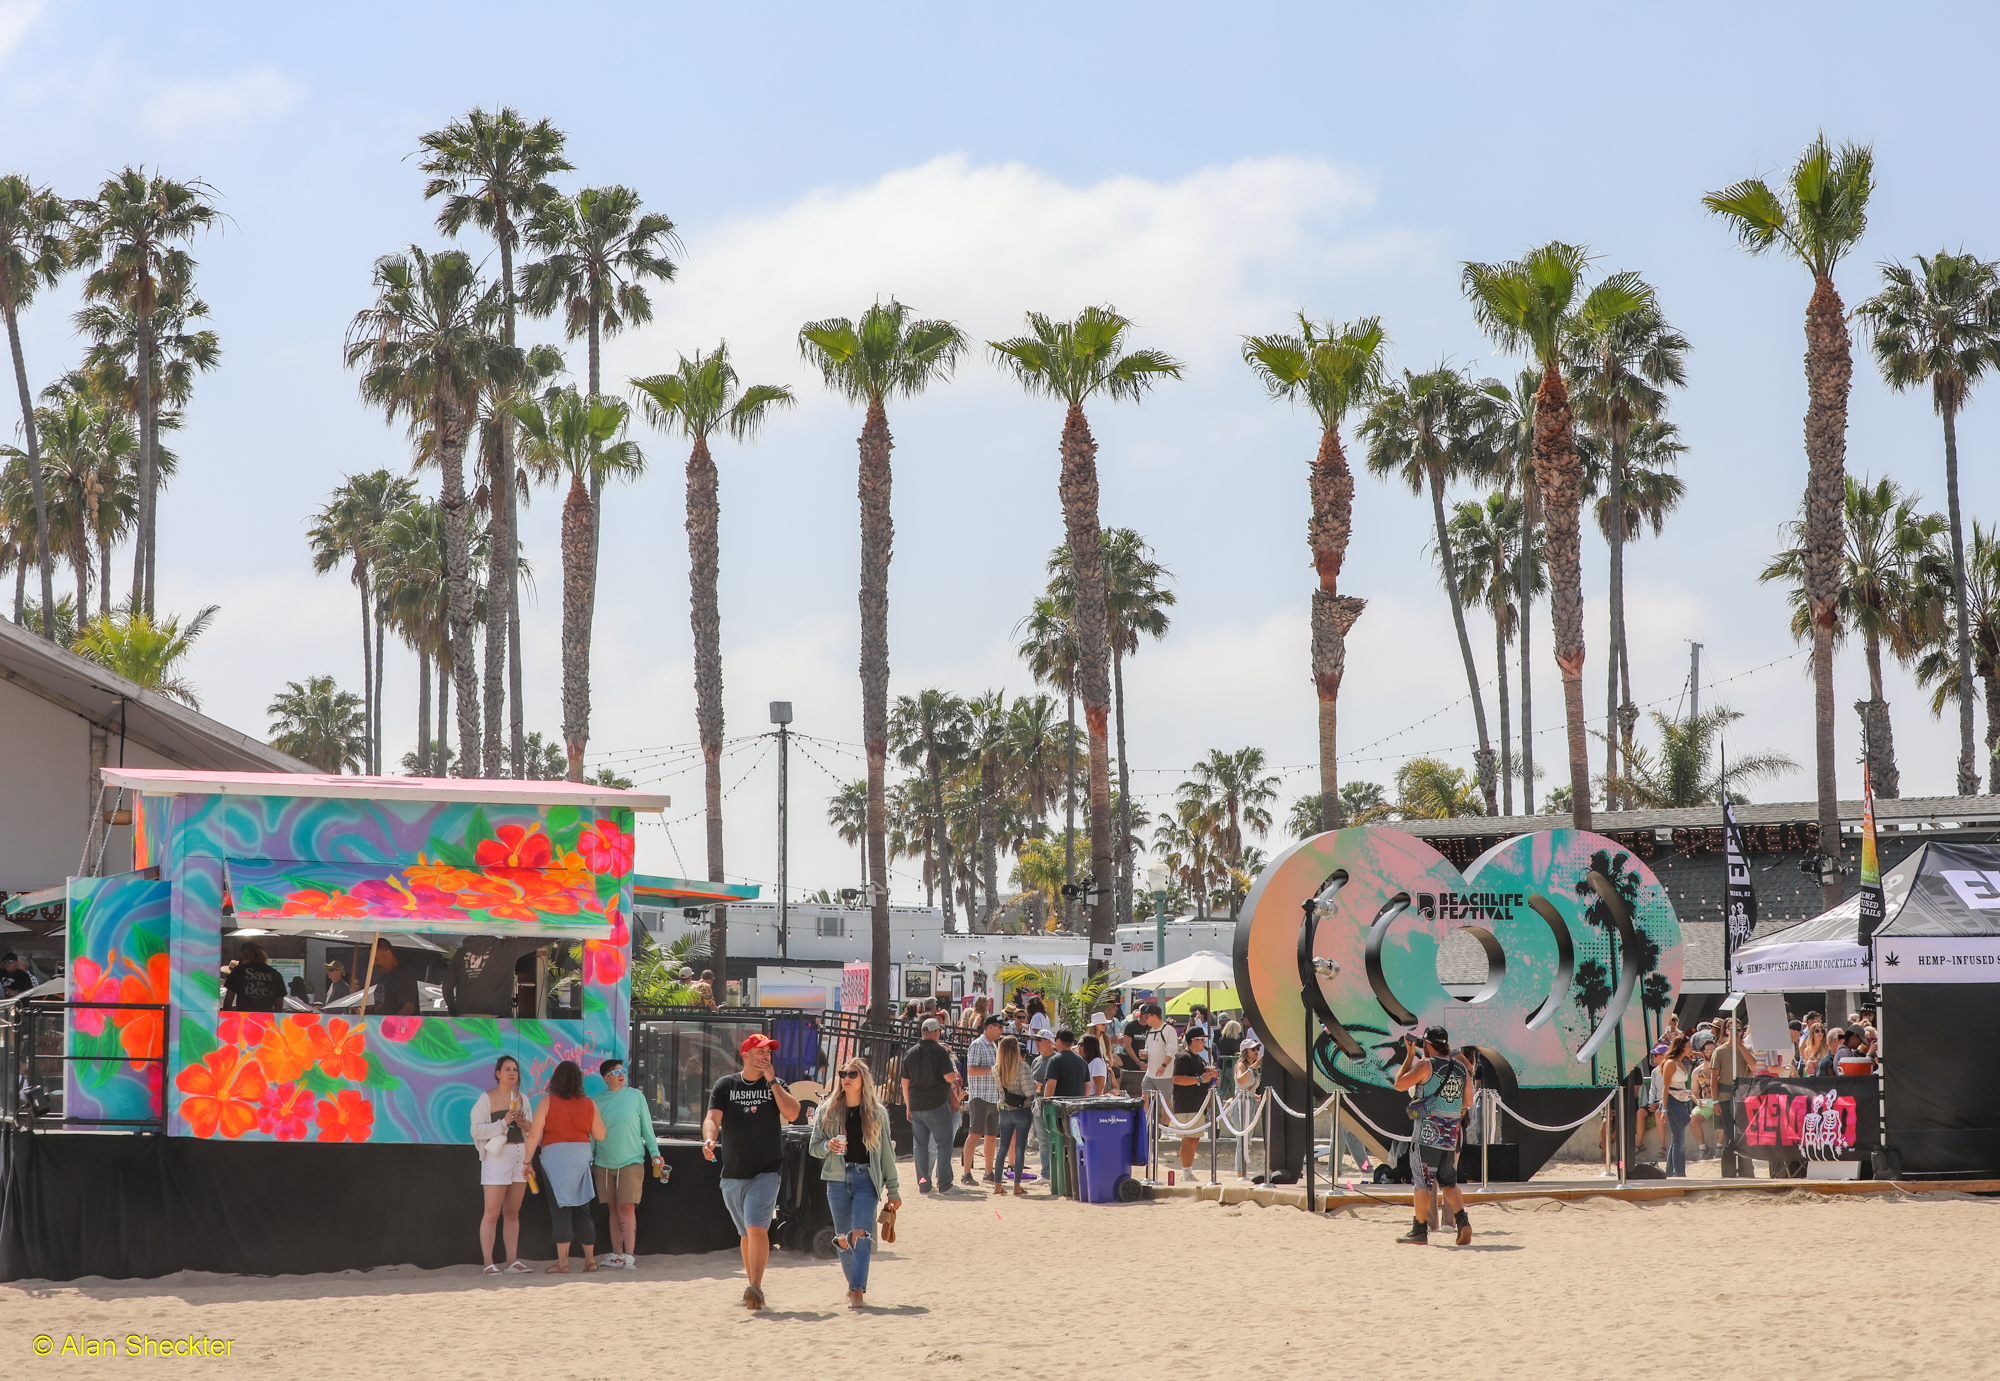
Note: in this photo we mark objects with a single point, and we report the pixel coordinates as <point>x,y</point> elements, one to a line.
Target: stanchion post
<point>1621,1133</point>
<point>1485,1139</point>
<point>1333,1140</point>
<point>1214,1110</point>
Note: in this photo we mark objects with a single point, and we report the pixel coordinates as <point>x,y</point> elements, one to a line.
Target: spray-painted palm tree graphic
<point>1653,994</point>
<point>1603,978</point>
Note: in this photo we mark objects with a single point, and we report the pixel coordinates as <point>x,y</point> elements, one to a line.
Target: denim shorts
<point>751,1202</point>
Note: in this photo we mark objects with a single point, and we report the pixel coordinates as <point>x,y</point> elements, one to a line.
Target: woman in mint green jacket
<point>851,1137</point>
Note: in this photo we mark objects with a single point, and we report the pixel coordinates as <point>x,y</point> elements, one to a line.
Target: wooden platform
<point>1637,1191</point>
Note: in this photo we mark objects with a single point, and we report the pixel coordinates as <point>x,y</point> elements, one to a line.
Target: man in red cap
<point>747,1113</point>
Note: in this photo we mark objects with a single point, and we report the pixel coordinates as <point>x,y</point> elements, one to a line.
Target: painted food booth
<point>368,1108</point>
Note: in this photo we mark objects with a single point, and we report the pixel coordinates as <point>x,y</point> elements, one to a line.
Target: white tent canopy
<point>1203,966</point>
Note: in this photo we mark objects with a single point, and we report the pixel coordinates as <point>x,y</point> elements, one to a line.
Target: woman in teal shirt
<point>851,1137</point>
<point>619,1161</point>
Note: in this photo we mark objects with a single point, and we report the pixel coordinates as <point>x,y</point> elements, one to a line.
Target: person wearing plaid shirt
<point>984,1090</point>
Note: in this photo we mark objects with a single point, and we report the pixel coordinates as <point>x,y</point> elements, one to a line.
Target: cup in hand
<point>837,1145</point>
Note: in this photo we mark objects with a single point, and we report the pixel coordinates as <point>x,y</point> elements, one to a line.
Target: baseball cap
<point>1660,1049</point>
<point>930,1024</point>
<point>1149,1009</point>
<point>758,1042</point>
<point>1436,1035</point>
<point>992,1020</point>
<point>1042,1033</point>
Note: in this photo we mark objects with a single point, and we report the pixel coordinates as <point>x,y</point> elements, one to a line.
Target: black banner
<point>1739,907</point>
<point>1807,1119</point>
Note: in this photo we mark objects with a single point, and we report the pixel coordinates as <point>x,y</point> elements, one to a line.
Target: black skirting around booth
<point>1941,1098</point>
<point>124,1207</point>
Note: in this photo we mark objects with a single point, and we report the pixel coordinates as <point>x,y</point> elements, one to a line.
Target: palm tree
<point>1685,771</point>
<point>1941,325</point>
<point>1428,430</point>
<point>567,434</point>
<point>847,812</point>
<point>350,527</point>
<point>1534,305</point>
<point>1432,789</point>
<point>929,730</point>
<point>1938,669</point>
<point>318,722</point>
<point>427,349</point>
<point>112,500</point>
<point>1510,440</point>
<point>598,249</point>
<point>1619,370</point>
<point>1136,600</point>
<point>1487,535</point>
<point>987,723</point>
<point>493,171</point>
<point>1048,646</point>
<point>410,583</point>
<point>1890,569</point>
<point>1071,361</point>
<point>1236,782</point>
<point>34,223</point>
<point>180,348</point>
<point>1816,216</point>
<point>131,233</point>
<point>1332,370</point>
<point>149,651</point>
<point>74,482</point>
<point>701,395</point>
<point>888,354</point>
<point>1593,994</point>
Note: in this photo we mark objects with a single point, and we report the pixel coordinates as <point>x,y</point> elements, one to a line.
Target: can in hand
<point>533,1188</point>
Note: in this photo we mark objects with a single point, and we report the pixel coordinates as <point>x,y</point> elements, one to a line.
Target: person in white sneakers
<point>619,1162</point>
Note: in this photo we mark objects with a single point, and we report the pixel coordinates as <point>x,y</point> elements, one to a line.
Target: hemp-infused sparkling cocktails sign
<point>1579,942</point>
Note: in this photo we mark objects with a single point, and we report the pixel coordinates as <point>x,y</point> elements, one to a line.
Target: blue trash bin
<point>1110,1140</point>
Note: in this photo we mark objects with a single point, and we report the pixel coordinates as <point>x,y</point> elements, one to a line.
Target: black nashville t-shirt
<point>926,1065</point>
<point>753,1130</point>
<point>1189,1097</point>
<point>1070,1073</point>
<point>1138,1031</point>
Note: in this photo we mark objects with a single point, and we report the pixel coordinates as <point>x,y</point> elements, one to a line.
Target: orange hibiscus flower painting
<point>350,1117</point>
<point>143,1035</point>
<point>289,1048</point>
<point>342,1050</point>
<point>222,1095</point>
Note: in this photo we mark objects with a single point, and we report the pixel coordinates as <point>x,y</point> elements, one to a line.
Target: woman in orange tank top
<point>565,1125</point>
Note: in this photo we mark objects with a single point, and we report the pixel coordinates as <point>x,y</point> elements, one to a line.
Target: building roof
<point>1915,812</point>
<point>166,782</point>
<point>125,708</point>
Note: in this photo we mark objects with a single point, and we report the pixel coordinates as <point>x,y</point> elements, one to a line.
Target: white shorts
<point>509,1167</point>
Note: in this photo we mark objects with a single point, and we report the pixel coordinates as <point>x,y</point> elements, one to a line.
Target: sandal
<point>491,1270</point>
<point>590,1266</point>
<point>555,1270</point>
<point>753,1298</point>
<point>519,1268</point>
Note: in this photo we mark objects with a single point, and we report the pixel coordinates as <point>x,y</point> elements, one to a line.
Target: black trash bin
<point>804,1221</point>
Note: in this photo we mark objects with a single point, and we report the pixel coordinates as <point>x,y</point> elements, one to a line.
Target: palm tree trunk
<point>1559,476</point>
<point>35,485</point>
<point>21,588</point>
<point>375,743</point>
<point>1883,777</point>
<point>705,620</point>
<point>878,535</point>
<point>1506,733</point>
<point>442,752</point>
<point>596,479</point>
<point>1993,730</point>
<point>79,557</point>
<point>941,832</point>
<point>1531,507</point>
<point>503,655</point>
<point>1122,898</point>
<point>423,713</point>
<point>1069,793</point>
<point>103,575</point>
<point>1829,374</point>
<point>1628,713</point>
<point>1968,765</point>
<point>149,442</point>
<point>1086,558</point>
<point>1483,758</point>
<point>367,668</point>
<point>576,616</point>
<point>1617,619</point>
<point>451,429</point>
<point>989,836</point>
<point>1330,485</point>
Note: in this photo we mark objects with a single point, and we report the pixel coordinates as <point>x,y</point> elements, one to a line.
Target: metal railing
<point>34,1056</point>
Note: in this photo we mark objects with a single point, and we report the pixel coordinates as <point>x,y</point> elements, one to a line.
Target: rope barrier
<point>1250,1127</point>
<point>1565,1127</point>
<point>1368,1122</point>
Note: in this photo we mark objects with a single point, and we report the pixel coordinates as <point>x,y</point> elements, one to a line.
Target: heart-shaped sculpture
<point>1580,940</point>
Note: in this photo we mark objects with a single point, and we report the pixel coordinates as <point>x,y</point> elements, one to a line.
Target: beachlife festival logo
<point>133,1345</point>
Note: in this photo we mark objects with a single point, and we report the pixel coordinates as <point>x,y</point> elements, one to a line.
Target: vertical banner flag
<point>1739,910</point>
<point>1871,870</point>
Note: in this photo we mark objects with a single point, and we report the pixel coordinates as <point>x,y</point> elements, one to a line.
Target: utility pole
<point>1694,682</point>
<point>781,715</point>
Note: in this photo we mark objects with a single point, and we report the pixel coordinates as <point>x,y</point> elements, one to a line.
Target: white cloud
<point>981,244</point>
<point>255,93</point>
<point>16,18</point>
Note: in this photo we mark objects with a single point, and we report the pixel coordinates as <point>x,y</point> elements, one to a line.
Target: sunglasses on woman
<point>849,1074</point>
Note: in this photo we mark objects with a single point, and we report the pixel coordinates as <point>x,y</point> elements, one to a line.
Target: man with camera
<point>1439,1082</point>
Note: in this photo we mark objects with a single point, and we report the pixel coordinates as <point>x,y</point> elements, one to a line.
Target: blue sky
<point>1208,169</point>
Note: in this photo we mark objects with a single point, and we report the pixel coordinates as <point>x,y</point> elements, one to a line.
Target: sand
<point>977,1287</point>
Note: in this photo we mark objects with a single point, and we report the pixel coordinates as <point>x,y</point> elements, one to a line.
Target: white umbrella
<point>1204,966</point>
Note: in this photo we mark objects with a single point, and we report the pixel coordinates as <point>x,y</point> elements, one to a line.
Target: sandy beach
<point>1862,1288</point>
